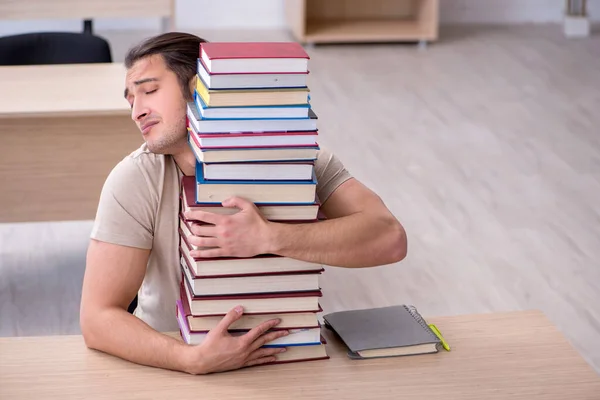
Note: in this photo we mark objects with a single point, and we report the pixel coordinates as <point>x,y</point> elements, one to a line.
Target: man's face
<point>157,105</point>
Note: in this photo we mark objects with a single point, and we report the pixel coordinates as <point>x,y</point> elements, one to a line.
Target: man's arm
<point>360,232</point>
<point>113,275</point>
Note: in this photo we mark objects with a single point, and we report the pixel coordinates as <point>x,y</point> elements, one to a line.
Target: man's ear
<point>192,85</point>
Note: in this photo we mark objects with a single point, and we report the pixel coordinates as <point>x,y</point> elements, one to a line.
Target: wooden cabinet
<point>331,21</point>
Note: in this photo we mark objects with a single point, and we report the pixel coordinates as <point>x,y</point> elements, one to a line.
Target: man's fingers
<point>258,330</point>
<point>265,352</point>
<point>203,241</point>
<point>203,230</point>
<point>210,253</point>
<point>267,338</point>
<point>238,202</point>
<point>259,361</point>
<point>203,216</point>
<point>233,315</point>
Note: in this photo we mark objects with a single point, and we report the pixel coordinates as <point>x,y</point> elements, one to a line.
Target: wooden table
<point>62,129</point>
<point>516,355</point>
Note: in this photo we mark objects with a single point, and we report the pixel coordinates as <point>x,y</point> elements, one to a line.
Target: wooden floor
<point>487,148</point>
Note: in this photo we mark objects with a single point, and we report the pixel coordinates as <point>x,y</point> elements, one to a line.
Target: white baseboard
<point>576,26</point>
<point>508,11</point>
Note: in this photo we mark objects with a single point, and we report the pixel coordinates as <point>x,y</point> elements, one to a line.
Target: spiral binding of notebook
<point>413,311</point>
<point>429,328</point>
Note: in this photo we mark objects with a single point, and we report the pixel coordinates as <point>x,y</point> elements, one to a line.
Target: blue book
<point>250,112</point>
<point>203,125</point>
<point>256,191</point>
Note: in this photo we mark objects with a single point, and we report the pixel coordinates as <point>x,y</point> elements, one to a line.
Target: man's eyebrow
<point>137,83</point>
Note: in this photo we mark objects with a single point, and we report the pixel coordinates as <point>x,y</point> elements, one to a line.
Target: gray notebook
<point>383,332</point>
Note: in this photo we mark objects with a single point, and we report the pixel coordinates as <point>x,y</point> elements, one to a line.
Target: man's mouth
<point>146,127</point>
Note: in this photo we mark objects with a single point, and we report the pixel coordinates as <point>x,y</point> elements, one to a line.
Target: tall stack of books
<point>254,135</point>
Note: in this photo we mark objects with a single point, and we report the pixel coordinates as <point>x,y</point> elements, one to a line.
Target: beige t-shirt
<point>139,207</point>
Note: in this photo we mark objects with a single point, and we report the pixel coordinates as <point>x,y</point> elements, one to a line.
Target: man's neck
<point>186,161</point>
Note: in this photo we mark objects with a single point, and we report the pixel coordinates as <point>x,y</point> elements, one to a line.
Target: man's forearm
<point>357,240</point>
<point>119,333</point>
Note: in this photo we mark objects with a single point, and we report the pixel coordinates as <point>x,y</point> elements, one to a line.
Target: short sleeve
<point>125,214</point>
<point>330,173</point>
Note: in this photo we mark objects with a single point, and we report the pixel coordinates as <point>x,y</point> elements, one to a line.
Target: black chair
<point>53,48</point>
<point>133,305</point>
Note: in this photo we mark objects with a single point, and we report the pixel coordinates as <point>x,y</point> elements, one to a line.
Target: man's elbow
<point>398,244</point>
<point>87,332</point>
<point>87,325</point>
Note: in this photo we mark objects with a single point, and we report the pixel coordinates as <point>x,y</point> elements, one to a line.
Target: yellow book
<point>251,97</point>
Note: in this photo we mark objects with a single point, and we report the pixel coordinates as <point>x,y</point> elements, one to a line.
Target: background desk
<point>62,129</point>
<point>89,9</point>
<point>517,355</point>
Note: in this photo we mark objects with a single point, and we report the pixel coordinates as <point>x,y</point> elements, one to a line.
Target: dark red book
<point>231,266</point>
<point>228,50</point>
<point>305,281</point>
<point>253,304</point>
<point>254,139</point>
<point>273,212</point>
<point>295,320</point>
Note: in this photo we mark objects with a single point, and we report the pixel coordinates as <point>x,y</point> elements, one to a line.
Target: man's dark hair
<point>179,50</point>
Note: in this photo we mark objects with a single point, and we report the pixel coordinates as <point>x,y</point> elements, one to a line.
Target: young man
<point>134,242</point>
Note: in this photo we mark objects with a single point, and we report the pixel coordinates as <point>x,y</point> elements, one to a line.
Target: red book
<point>233,266</point>
<point>273,212</point>
<point>247,322</point>
<point>254,57</point>
<point>204,306</point>
<point>280,282</point>
<point>296,352</point>
<point>254,139</point>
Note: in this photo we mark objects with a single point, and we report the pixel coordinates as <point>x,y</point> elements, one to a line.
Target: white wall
<point>247,14</point>
<point>508,11</point>
<point>269,14</point>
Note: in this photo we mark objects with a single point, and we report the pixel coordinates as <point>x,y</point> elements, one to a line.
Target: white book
<point>251,81</point>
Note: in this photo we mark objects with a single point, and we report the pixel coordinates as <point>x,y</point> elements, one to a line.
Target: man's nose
<point>139,111</point>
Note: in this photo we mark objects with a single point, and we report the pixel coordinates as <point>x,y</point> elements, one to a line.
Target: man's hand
<point>222,352</point>
<point>244,234</point>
